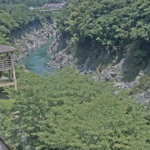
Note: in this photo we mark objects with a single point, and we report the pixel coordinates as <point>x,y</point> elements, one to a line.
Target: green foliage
<point>30,2</point>
<point>7,24</point>
<point>3,40</point>
<point>8,104</point>
<point>110,24</point>
<point>19,16</point>
<point>143,85</point>
<point>5,118</point>
<point>56,14</point>
<point>69,111</point>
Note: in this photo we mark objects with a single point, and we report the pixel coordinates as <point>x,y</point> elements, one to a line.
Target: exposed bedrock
<point>32,36</point>
<point>102,66</point>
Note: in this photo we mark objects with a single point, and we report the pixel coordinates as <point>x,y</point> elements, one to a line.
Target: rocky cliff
<point>103,66</point>
<point>32,36</point>
<point>2,145</point>
<point>58,53</point>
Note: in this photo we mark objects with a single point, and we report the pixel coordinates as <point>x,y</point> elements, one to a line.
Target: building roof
<point>5,49</point>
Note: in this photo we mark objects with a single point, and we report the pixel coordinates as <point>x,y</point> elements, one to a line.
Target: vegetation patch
<point>143,85</point>
<point>18,17</point>
<point>113,30</point>
<point>132,73</point>
<point>68,110</point>
<point>56,14</point>
<point>8,104</point>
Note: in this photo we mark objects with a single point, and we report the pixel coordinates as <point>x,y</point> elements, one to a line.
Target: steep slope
<point>109,39</point>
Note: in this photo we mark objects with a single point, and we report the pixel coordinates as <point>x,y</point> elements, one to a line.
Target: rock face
<point>32,37</point>
<point>143,97</point>
<point>3,146</point>
<point>59,54</point>
<point>113,71</point>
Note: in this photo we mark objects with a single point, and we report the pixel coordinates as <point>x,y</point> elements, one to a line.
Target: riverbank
<point>59,54</point>
<point>37,59</point>
<point>32,36</point>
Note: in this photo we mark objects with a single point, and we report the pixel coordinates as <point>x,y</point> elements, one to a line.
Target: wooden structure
<point>7,64</point>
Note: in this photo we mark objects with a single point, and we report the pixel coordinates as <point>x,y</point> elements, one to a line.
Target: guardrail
<point>5,64</point>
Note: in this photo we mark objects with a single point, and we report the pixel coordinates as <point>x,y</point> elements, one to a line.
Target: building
<point>54,5</point>
<point>7,64</point>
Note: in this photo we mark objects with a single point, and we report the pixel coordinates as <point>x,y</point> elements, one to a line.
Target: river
<point>37,59</point>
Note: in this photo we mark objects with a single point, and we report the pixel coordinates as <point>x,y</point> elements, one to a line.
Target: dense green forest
<point>29,2</point>
<point>15,14</point>
<point>13,17</point>
<point>66,110</point>
<point>111,25</point>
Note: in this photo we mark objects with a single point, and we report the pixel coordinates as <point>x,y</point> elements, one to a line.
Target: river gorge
<point>33,42</point>
<point>37,59</point>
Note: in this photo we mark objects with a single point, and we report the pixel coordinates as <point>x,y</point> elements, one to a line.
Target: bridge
<point>49,10</point>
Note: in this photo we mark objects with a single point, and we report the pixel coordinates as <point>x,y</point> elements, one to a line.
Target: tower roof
<point>5,49</point>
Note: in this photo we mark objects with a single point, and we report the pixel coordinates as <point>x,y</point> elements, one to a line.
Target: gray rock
<point>3,146</point>
<point>116,92</point>
<point>32,38</point>
<point>113,74</point>
<point>142,98</point>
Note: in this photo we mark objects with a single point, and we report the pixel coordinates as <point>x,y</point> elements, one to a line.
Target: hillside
<point>112,26</point>
<point>109,39</point>
<point>66,110</point>
<point>101,101</point>
<point>19,17</point>
<point>33,3</point>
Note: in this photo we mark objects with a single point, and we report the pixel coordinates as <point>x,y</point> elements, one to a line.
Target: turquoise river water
<point>37,59</point>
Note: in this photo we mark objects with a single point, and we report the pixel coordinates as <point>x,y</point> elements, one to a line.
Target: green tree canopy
<point>14,17</point>
<point>30,2</point>
<point>70,111</point>
<point>109,24</point>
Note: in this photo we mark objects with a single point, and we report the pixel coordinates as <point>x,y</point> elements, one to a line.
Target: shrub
<point>69,111</point>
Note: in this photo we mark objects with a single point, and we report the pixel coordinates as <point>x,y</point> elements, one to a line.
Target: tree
<point>108,24</point>
<point>67,110</point>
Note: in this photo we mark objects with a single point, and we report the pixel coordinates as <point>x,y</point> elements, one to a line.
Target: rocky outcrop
<point>59,53</point>
<point>113,71</point>
<point>32,37</point>
<point>2,145</point>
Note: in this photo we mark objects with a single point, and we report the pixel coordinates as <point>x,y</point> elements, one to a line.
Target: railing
<point>47,10</point>
<point>5,63</point>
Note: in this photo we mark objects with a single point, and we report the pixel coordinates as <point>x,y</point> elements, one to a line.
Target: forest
<point>66,110</point>
<point>34,3</point>
<point>111,25</point>
<point>15,17</point>
<point>15,14</point>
